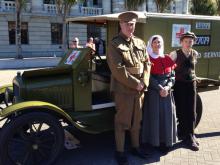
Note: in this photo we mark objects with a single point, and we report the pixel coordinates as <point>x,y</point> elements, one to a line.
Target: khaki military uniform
<point>129,65</point>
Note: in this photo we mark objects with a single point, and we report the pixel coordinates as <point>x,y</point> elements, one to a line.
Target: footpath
<point>25,63</point>
<point>208,131</point>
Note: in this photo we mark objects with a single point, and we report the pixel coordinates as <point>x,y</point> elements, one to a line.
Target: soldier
<point>185,89</point>
<point>129,66</point>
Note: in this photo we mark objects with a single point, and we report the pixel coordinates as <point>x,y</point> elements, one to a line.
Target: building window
<point>93,31</point>
<point>56,33</point>
<point>95,2</point>
<point>49,1</point>
<point>24,32</point>
<point>11,32</point>
<point>92,3</point>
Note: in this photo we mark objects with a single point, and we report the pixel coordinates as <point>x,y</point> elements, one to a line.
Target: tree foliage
<point>63,10</point>
<point>162,5</point>
<point>133,4</point>
<point>203,7</point>
<point>64,6</point>
<point>218,6</point>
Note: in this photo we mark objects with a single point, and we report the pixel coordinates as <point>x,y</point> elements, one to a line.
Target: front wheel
<point>33,138</point>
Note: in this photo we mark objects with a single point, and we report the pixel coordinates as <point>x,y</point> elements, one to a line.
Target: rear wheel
<point>33,138</point>
<point>198,110</point>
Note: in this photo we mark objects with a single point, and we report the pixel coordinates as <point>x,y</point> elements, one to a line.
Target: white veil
<point>150,50</point>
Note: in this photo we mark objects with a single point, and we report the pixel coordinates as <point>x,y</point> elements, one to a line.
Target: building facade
<point>176,6</point>
<point>41,28</point>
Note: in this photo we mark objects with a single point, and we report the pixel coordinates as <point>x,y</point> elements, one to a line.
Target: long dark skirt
<point>159,119</point>
<point>185,99</point>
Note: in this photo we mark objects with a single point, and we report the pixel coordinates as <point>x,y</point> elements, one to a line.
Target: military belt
<point>135,70</point>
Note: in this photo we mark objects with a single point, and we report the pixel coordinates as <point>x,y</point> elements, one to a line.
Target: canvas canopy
<point>143,16</point>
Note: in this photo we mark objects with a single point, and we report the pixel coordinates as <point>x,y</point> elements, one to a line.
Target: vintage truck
<point>76,91</point>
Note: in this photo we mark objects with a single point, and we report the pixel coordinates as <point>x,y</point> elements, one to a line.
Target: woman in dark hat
<point>185,89</point>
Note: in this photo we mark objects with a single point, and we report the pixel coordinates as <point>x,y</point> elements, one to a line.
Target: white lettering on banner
<point>211,55</point>
<point>203,25</point>
<point>203,40</point>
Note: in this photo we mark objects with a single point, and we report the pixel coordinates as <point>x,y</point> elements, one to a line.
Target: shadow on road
<point>210,134</point>
<point>99,150</point>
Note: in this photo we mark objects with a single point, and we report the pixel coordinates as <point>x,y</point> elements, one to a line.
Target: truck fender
<point>2,91</point>
<point>28,106</point>
<point>3,88</point>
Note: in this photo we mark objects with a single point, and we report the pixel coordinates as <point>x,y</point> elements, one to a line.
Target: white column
<point>142,7</point>
<point>152,6</point>
<point>179,7</point>
<point>186,7</point>
<point>37,6</point>
<point>118,6</point>
<point>173,7</point>
<point>106,5</point>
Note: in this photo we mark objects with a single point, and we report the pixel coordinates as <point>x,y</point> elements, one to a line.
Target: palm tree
<point>218,6</point>
<point>162,5</point>
<point>19,4</point>
<point>133,4</point>
<point>63,10</point>
<point>203,7</point>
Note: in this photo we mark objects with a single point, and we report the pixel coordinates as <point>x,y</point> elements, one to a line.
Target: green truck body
<point>170,27</point>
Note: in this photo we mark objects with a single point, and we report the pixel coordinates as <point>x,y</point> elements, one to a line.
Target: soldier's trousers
<point>185,100</point>
<point>128,117</point>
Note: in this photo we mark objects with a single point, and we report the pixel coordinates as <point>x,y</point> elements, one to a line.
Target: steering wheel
<point>94,59</point>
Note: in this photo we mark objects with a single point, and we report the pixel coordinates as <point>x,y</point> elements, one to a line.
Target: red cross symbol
<point>71,58</point>
<point>178,34</point>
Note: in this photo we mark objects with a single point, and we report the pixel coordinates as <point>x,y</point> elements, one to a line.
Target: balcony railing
<point>90,11</point>
<point>9,6</point>
<point>50,9</point>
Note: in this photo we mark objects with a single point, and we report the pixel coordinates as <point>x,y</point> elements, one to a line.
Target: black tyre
<point>2,98</point>
<point>33,138</point>
<point>9,95</point>
<point>198,110</point>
